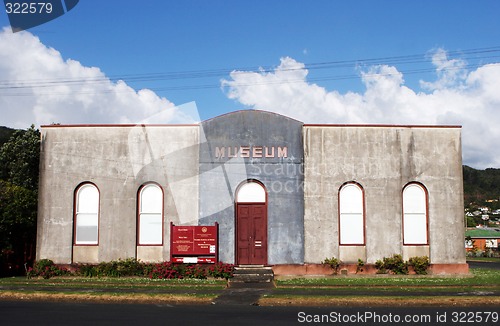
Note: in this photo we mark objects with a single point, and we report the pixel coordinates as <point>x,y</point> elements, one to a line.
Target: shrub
<point>360,265</point>
<point>379,264</point>
<point>107,269</point>
<point>132,267</point>
<point>166,270</point>
<point>221,270</point>
<point>419,264</point>
<point>394,264</point>
<point>147,268</point>
<point>334,264</point>
<point>115,268</point>
<point>46,268</point>
<point>195,271</point>
<point>87,270</point>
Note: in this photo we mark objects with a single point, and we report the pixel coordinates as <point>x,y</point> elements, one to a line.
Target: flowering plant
<point>46,268</point>
<point>221,270</point>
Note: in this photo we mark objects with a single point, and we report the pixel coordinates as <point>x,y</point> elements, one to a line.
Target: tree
<point>19,158</point>
<point>18,211</point>
<point>471,223</point>
<point>5,134</point>
<point>19,161</point>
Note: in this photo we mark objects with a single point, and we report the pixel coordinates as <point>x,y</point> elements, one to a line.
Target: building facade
<point>283,193</point>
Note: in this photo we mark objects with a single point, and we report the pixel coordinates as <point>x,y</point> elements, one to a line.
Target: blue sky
<point>316,60</point>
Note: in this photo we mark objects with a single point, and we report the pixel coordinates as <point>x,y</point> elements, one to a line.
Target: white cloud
<point>68,92</point>
<point>38,86</point>
<point>451,72</point>
<point>458,96</point>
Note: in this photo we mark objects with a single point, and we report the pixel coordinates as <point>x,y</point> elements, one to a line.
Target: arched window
<point>150,224</point>
<point>251,192</point>
<point>87,215</point>
<point>414,215</point>
<point>351,217</point>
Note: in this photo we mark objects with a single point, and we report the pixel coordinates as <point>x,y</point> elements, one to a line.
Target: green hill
<point>481,185</point>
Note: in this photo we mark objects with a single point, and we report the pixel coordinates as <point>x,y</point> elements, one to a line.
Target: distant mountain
<point>480,185</point>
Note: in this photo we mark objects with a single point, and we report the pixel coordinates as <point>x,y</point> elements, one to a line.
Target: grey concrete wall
<point>282,177</point>
<point>118,160</point>
<point>200,188</point>
<point>383,160</point>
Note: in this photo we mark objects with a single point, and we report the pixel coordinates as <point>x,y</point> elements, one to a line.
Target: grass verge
<point>385,290</point>
<point>439,301</point>
<point>112,290</point>
<point>363,291</point>
<point>477,277</point>
<point>109,297</point>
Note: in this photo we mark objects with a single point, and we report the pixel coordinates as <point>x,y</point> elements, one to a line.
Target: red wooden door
<point>251,224</point>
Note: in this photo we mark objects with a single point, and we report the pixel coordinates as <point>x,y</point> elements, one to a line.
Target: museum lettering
<point>251,151</point>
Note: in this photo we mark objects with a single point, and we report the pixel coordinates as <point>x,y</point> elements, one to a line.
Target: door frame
<point>236,204</point>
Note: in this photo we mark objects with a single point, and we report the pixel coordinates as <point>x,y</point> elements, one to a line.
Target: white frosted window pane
<point>150,230</point>
<point>351,199</point>
<point>414,215</point>
<point>415,229</point>
<point>151,214</point>
<point>414,199</point>
<point>351,229</point>
<point>351,215</point>
<point>88,199</point>
<point>151,199</point>
<point>251,192</point>
<point>87,218</point>
<point>86,229</point>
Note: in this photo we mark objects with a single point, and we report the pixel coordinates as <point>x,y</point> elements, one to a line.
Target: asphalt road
<point>64,313</point>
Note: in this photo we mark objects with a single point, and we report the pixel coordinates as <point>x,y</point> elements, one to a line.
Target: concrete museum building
<point>283,193</point>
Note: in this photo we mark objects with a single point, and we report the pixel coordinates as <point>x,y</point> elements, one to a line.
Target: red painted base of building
<point>349,269</point>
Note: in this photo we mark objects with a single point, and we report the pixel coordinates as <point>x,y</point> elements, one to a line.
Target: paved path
<point>243,294</point>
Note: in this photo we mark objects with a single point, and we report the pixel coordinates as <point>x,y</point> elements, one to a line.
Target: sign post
<point>194,244</point>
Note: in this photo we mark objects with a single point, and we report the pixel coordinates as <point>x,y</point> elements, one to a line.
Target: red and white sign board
<point>194,244</point>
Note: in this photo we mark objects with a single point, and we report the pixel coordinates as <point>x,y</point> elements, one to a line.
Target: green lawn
<point>477,277</point>
<point>125,289</point>
<point>480,280</point>
<point>411,290</point>
<point>123,281</point>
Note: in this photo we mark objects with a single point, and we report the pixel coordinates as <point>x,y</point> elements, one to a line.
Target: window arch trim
<point>361,236</point>
<point>141,214</point>
<point>424,212</point>
<point>77,214</point>
<point>247,183</point>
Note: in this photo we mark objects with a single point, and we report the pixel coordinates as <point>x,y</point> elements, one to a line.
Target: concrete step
<point>252,274</point>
